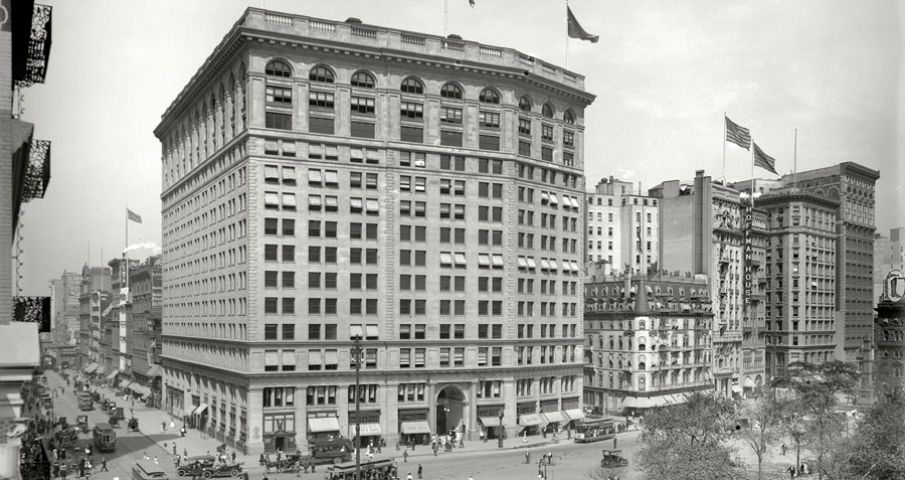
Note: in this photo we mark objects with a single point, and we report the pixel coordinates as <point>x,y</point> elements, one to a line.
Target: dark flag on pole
<point>471,2</point>
<point>575,30</point>
<point>763,160</point>
<point>133,216</point>
<point>738,134</point>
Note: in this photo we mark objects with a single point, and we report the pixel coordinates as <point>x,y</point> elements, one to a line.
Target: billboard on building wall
<point>748,250</point>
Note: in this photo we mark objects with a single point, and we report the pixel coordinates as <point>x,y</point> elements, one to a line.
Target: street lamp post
<point>500,433</point>
<point>357,353</point>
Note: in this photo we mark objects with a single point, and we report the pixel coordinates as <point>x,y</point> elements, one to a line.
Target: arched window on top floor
<point>451,90</point>
<point>321,74</point>
<point>568,117</point>
<point>524,104</point>
<point>363,80</point>
<point>278,68</point>
<point>489,95</point>
<point>547,111</point>
<point>412,85</point>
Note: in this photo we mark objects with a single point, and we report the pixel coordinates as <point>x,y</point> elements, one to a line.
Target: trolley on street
<point>594,430</point>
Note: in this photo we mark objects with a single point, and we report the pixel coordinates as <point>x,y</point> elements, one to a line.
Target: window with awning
<point>460,259</point>
<point>498,261</point>
<point>531,264</point>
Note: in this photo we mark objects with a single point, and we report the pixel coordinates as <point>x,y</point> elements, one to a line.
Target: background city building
<point>93,300</point>
<point>702,231</point>
<point>852,185</point>
<point>324,180</point>
<point>889,335</point>
<point>649,340</point>
<point>889,255</point>
<point>64,322</point>
<point>146,290</point>
<point>800,279</point>
<point>623,227</point>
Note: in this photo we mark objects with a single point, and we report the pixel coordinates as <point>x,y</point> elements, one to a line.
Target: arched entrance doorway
<point>450,409</point>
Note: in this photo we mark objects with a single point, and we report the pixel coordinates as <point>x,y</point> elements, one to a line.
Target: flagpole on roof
<point>795,158</point>
<point>567,35</point>
<point>445,17</point>
<point>724,147</point>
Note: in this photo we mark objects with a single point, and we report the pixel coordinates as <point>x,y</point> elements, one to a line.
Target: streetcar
<point>594,430</point>
<point>382,469</point>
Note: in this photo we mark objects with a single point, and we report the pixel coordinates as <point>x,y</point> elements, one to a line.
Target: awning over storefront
<point>112,374</point>
<point>490,421</point>
<point>91,367</point>
<point>369,429</point>
<point>748,383</point>
<point>322,425</point>
<point>554,417</point>
<point>529,419</point>
<point>154,371</point>
<point>638,402</point>
<point>199,409</point>
<point>420,426</point>
<point>124,384</point>
<point>736,389</point>
<point>140,389</point>
<point>100,370</point>
<point>575,414</point>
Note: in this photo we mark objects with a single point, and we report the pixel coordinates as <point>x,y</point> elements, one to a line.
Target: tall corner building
<point>323,180</point>
<point>851,185</point>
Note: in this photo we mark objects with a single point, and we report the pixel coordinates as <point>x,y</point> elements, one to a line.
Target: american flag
<point>763,160</point>
<point>738,134</point>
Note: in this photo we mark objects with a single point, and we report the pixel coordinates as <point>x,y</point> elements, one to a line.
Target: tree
<point>688,440</point>
<point>762,429</point>
<point>606,473</point>
<point>877,449</point>
<point>809,412</point>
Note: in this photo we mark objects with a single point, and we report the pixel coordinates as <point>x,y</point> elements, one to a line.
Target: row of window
<point>411,86</point>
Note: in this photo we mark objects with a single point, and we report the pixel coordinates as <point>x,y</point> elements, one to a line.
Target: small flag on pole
<point>471,2</point>
<point>738,134</point>
<point>133,216</point>
<point>575,30</point>
<point>763,160</point>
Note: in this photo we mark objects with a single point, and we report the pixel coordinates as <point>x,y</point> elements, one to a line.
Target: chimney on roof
<point>699,173</point>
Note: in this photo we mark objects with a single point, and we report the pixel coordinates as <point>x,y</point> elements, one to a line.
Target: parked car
<point>219,470</point>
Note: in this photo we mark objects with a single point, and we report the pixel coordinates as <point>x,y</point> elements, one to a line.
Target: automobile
<point>187,465</point>
<point>612,459</point>
<point>232,469</point>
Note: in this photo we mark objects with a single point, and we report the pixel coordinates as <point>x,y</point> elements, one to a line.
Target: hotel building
<point>623,227</point>
<point>327,180</point>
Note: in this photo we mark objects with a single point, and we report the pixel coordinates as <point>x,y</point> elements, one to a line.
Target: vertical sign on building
<point>748,250</point>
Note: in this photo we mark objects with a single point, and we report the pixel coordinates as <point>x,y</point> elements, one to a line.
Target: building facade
<point>623,227</point>
<point>800,279</point>
<point>649,341</point>
<point>889,255</point>
<point>93,300</point>
<point>65,293</point>
<point>889,335</point>
<point>146,289</point>
<point>325,180</point>
<point>704,229</point>
<point>852,185</point>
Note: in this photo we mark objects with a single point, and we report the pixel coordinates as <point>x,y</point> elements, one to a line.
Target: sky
<point>664,73</point>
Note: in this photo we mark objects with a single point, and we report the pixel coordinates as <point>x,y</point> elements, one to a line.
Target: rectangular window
<point>451,115</point>
<point>279,121</point>
<point>320,100</point>
<point>524,126</point>
<point>411,111</point>
<point>489,119</point>
<point>524,148</point>
<point>411,134</point>
<point>546,153</point>
<point>362,105</point>
<point>450,138</point>
<point>489,142</point>
<point>362,129</point>
<point>279,96</point>
<point>320,125</point>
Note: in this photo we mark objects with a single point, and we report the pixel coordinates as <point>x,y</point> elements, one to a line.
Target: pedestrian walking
<point>792,471</point>
<point>174,449</point>
<point>419,471</point>
<point>185,453</point>
<point>104,464</point>
<point>783,448</point>
<point>614,443</point>
<point>234,455</point>
<point>405,456</point>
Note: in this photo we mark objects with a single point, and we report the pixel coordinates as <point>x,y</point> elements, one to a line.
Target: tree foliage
<point>688,440</point>
<point>877,449</point>
<point>762,430</point>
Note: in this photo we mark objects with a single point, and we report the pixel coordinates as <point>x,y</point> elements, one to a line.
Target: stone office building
<point>325,179</point>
